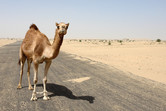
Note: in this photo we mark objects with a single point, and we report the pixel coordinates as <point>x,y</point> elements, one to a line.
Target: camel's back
<point>33,38</point>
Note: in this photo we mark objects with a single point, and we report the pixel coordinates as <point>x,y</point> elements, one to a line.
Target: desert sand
<point>144,58</point>
<point>6,41</point>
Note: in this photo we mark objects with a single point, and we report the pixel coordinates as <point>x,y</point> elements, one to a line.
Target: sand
<point>6,41</point>
<point>144,58</point>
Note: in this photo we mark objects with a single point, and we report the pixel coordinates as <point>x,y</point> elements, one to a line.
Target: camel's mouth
<point>62,32</point>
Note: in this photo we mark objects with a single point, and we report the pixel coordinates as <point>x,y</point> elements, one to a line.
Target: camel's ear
<point>67,24</point>
<point>56,24</point>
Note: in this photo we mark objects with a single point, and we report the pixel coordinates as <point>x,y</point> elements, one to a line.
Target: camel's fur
<point>36,48</point>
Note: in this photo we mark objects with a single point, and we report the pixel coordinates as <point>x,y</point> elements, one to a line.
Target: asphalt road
<point>104,88</point>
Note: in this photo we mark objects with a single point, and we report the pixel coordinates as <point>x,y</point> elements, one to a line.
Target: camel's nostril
<point>63,31</point>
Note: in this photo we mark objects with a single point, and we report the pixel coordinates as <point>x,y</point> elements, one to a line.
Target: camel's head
<point>62,28</point>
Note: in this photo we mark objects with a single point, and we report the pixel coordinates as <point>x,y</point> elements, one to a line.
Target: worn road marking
<point>78,80</point>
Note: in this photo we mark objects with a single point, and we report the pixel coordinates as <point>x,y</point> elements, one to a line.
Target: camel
<point>36,48</point>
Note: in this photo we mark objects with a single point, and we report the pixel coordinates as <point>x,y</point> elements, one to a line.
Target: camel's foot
<point>46,98</point>
<point>33,98</point>
<point>45,95</point>
<point>30,87</point>
<point>19,86</point>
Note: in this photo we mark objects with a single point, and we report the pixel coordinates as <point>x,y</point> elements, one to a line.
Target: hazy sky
<point>95,19</point>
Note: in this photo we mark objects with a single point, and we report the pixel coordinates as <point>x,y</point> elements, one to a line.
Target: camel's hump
<point>34,27</point>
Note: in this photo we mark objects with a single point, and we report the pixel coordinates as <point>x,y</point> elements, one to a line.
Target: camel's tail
<point>34,27</point>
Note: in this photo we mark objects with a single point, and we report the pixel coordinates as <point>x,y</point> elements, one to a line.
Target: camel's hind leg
<point>28,74</point>
<point>22,61</point>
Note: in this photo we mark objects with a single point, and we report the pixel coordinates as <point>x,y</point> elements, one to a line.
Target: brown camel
<point>37,48</point>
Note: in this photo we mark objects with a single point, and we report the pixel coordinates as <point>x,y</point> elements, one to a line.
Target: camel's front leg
<point>34,98</point>
<point>47,66</point>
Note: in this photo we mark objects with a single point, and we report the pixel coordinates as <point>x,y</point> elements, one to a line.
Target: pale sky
<point>89,19</point>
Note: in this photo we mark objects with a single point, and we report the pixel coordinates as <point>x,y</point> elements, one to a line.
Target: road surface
<point>76,85</point>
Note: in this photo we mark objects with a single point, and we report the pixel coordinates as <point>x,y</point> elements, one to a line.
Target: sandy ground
<point>6,41</point>
<point>143,58</point>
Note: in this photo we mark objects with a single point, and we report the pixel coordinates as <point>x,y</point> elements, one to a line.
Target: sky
<point>88,19</point>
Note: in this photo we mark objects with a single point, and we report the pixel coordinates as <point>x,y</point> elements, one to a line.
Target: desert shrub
<point>80,40</point>
<point>120,41</point>
<point>109,43</point>
<point>158,40</point>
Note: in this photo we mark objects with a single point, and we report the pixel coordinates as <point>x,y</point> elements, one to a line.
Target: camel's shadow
<point>59,90</point>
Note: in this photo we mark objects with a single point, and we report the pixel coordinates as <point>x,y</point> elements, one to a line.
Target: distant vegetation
<point>80,41</point>
<point>120,41</point>
<point>158,40</point>
<point>109,43</point>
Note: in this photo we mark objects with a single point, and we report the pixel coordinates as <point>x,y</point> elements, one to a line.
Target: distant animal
<point>36,48</point>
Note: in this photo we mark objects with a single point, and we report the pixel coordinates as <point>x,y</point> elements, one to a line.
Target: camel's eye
<point>58,27</point>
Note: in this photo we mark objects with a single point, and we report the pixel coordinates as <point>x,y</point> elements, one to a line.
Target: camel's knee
<point>35,81</point>
<point>45,80</point>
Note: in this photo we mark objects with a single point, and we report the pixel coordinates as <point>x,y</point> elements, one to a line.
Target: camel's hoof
<point>46,98</point>
<point>30,88</point>
<point>19,86</point>
<point>33,98</point>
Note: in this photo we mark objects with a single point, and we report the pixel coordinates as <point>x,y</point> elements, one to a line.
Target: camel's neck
<point>58,39</point>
